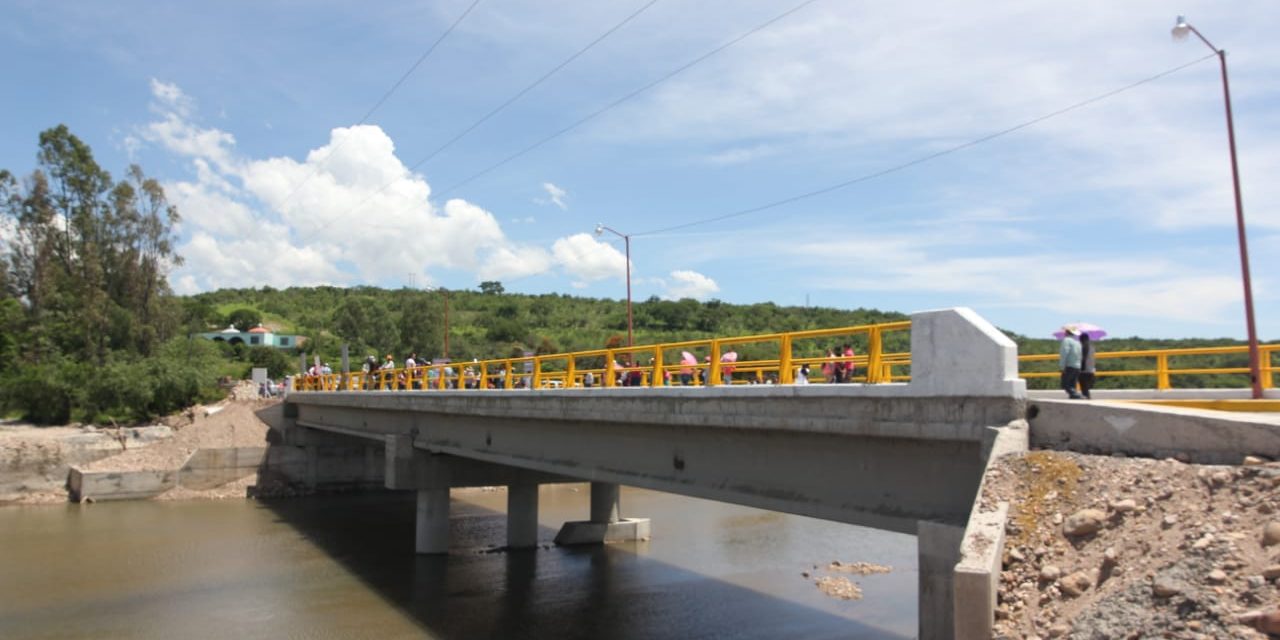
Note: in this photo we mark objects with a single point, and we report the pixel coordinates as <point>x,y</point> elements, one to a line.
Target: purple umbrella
<point>1092,330</point>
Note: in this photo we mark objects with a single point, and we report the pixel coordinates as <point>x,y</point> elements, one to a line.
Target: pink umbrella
<point>728,356</point>
<point>1094,331</point>
<point>688,360</point>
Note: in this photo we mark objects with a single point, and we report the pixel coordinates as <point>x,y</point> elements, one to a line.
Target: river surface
<point>344,567</point>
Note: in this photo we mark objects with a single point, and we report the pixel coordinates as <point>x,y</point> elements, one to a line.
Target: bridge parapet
<point>956,352</point>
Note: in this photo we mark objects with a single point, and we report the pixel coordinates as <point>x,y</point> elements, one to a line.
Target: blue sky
<point>1119,212</point>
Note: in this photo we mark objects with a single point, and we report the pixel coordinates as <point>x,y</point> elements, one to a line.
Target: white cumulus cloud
<point>350,212</point>
<point>689,284</point>
<point>586,259</point>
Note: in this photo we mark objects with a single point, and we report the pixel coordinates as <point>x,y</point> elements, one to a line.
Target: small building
<point>258,336</point>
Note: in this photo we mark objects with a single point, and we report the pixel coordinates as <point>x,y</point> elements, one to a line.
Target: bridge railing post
<point>785,374</point>
<point>1267,369</point>
<point>537,372</point>
<point>570,372</point>
<point>657,378</point>
<point>875,355</point>
<point>610,371</point>
<point>1162,372</point>
<point>713,376</point>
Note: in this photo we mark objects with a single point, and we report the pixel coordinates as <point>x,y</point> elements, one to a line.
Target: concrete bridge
<point>902,457</point>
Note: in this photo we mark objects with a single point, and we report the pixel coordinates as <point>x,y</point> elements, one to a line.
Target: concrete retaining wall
<point>338,466</point>
<point>1207,437</point>
<point>209,468</point>
<point>976,582</point>
<point>119,485</point>
<point>42,464</point>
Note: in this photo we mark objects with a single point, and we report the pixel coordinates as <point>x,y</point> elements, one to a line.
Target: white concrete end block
<point>955,352</point>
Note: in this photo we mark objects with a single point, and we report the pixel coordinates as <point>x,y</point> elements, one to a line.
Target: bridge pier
<point>937,552</point>
<point>432,475</point>
<point>606,523</point>
<point>432,532</point>
<point>522,516</point>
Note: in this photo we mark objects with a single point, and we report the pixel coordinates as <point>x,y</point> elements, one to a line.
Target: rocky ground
<point>1109,547</point>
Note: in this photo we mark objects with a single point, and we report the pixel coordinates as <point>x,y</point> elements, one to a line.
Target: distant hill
<point>497,324</point>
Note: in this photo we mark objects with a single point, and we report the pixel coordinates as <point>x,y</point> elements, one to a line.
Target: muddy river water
<point>344,567</point>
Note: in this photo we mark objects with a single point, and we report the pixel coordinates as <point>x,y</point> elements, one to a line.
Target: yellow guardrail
<point>659,365</point>
<point>652,365</point>
<point>1161,366</point>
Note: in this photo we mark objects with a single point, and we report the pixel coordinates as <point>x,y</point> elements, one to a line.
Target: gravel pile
<point>1109,547</point>
<point>232,423</point>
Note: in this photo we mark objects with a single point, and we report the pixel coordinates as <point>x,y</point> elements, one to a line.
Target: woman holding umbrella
<point>1088,369</point>
<point>1076,358</point>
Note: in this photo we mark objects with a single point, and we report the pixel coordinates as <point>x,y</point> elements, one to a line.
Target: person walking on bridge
<point>1088,365</point>
<point>1070,357</point>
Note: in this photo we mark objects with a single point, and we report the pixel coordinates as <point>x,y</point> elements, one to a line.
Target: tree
<point>245,318</point>
<point>491,287</point>
<point>85,259</point>
<point>276,362</point>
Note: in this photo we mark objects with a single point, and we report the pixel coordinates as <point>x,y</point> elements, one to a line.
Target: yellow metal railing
<point>659,365</point>
<point>653,365</point>
<point>1160,366</point>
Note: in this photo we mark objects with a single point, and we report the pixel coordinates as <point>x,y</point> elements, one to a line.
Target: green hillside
<point>495,324</point>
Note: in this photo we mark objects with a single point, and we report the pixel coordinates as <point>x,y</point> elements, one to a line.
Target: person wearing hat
<point>1069,359</point>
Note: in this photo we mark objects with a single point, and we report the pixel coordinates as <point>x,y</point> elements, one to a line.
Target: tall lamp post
<point>1180,31</point>
<point>626,239</point>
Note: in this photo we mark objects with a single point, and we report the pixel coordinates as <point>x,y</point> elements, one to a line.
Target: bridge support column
<point>432,533</point>
<point>605,498</point>
<point>606,523</point>
<point>937,552</point>
<point>522,516</point>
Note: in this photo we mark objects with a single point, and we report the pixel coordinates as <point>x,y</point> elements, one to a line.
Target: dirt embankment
<point>35,460</point>
<point>1107,547</point>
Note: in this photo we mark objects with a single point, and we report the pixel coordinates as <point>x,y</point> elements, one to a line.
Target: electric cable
<point>385,96</point>
<point>496,110</point>
<point>923,159</point>
<point>615,103</point>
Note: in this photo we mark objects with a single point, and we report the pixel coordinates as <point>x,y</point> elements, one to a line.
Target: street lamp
<point>1180,31</point>
<point>600,229</point>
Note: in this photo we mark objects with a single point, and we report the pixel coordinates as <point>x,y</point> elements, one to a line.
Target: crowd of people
<point>837,366</point>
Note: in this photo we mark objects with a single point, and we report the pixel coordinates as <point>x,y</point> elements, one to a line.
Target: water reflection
<point>344,567</point>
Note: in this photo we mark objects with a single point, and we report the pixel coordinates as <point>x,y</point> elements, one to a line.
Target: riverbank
<point>35,461</point>
<point>1126,547</point>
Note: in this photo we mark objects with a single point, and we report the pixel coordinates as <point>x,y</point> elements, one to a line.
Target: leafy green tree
<point>277,363</point>
<point>85,261</point>
<point>491,287</point>
<point>244,318</point>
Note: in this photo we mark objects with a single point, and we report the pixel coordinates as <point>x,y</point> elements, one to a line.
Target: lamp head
<point>1181,29</point>
<point>599,229</point>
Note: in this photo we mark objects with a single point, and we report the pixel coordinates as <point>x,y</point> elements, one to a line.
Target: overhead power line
<point>670,74</point>
<point>923,159</point>
<point>498,109</point>
<point>385,96</point>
